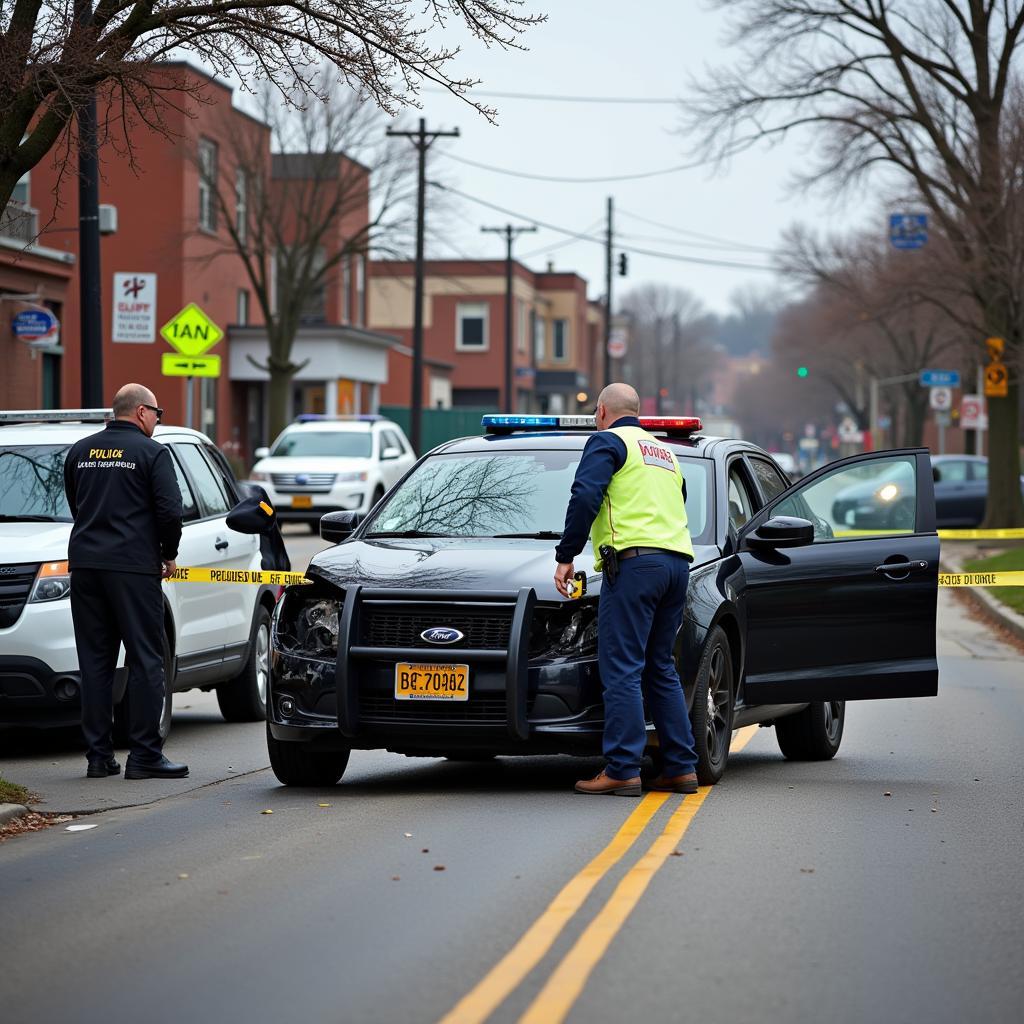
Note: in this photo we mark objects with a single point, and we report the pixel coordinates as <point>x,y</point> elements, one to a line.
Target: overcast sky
<point>606,48</point>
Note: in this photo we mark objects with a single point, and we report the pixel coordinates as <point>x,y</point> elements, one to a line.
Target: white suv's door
<point>392,469</point>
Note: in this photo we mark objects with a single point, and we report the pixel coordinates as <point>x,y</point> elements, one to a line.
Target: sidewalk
<point>953,558</point>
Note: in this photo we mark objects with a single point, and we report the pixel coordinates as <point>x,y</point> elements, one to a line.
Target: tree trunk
<point>916,414</point>
<point>277,399</point>
<point>1005,506</point>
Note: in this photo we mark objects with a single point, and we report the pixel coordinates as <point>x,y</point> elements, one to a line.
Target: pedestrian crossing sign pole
<point>191,333</point>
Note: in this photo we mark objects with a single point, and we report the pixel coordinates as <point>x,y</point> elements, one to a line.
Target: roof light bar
<point>503,423</point>
<point>319,417</point>
<point>55,416</point>
<point>672,424</point>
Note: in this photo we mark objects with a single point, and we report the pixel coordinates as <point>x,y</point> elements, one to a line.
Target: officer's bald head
<point>614,402</point>
<point>129,398</point>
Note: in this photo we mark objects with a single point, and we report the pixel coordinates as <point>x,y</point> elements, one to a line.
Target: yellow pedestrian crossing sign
<point>191,331</point>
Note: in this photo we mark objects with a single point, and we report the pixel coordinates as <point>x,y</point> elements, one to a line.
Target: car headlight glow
<point>53,582</point>
<point>348,478</point>
<point>888,492</point>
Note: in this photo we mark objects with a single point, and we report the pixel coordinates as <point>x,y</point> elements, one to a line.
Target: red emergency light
<point>672,424</point>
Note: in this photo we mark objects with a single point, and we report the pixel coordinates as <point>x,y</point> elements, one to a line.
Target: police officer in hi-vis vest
<point>629,494</point>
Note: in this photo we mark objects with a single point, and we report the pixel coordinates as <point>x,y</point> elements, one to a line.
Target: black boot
<point>102,769</point>
<point>162,769</point>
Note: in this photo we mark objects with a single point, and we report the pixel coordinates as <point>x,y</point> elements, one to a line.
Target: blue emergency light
<point>501,423</point>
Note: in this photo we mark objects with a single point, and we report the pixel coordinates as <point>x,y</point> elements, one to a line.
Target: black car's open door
<point>849,614</point>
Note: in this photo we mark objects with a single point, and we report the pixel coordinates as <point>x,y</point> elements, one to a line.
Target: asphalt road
<point>799,892</point>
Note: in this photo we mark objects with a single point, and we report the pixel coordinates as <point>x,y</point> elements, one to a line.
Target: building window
<point>560,340</point>
<point>242,307</point>
<point>21,193</point>
<point>346,289</point>
<point>360,317</point>
<point>471,326</point>
<point>523,327</point>
<point>241,205</point>
<point>314,309</point>
<point>207,185</point>
<point>539,340</point>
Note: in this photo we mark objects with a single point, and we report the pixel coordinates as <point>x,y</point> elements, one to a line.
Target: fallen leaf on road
<point>887,793</point>
<point>184,874</point>
<point>408,835</point>
<point>439,867</point>
<point>395,878</point>
<point>78,828</point>
<point>323,805</point>
<point>677,853</point>
<point>424,850</point>
<point>807,871</point>
<point>266,812</point>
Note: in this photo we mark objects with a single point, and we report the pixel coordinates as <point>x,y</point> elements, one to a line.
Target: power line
<point>677,257</point>
<point>654,100</point>
<point>695,234</point>
<point>722,245</point>
<point>575,181</point>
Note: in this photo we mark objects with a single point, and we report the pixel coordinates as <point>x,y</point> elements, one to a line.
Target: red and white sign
<point>972,413</point>
<point>940,399</point>
<point>134,308</point>
<point>617,343</point>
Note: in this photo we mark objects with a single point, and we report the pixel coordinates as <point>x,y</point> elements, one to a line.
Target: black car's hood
<point>457,563</point>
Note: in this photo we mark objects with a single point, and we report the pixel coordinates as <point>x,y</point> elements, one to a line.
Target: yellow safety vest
<point>643,506</point>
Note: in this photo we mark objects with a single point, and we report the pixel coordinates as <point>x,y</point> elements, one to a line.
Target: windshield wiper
<point>539,535</point>
<point>404,533</point>
<point>30,519</point>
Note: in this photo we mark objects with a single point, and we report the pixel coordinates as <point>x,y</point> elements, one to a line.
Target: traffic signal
<point>802,371</point>
<point>623,265</point>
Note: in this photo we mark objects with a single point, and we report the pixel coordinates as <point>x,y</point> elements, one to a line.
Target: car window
<point>980,470</point>
<point>954,472</point>
<point>209,489</point>
<point>225,474</point>
<point>741,504</point>
<point>388,439</point>
<point>771,481</point>
<point>189,508</point>
<point>354,444</point>
<point>877,497</point>
<point>32,482</point>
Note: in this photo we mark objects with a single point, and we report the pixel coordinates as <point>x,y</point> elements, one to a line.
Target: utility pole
<point>89,299</point>
<point>511,233</point>
<point>422,140</point>
<point>608,296</point>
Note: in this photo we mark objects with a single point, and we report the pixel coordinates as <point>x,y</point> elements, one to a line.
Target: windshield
<point>512,493</point>
<point>32,483</point>
<point>347,444</point>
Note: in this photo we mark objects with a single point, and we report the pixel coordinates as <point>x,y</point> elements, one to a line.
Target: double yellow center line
<point>566,982</point>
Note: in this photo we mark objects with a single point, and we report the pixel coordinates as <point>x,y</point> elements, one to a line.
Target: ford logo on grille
<point>441,635</point>
<point>301,478</point>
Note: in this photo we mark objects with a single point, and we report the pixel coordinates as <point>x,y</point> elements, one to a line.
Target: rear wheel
<point>815,733</point>
<point>244,698</point>
<point>295,764</point>
<point>711,714</point>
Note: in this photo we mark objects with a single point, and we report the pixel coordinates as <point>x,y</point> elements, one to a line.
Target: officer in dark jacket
<point>125,498</point>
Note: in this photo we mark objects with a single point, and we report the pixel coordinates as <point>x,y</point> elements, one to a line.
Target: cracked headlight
<point>307,626</point>
<point>569,630</point>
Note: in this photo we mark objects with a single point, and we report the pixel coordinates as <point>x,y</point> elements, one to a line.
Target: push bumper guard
<point>516,656</point>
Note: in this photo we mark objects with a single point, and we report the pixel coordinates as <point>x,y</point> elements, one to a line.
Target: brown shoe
<point>603,785</point>
<point>675,783</point>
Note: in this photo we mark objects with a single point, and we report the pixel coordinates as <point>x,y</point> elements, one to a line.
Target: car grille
<point>312,483</point>
<point>15,584</point>
<point>488,710</point>
<point>484,629</point>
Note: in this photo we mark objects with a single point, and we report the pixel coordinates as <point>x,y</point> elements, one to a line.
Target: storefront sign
<point>134,309</point>
<point>36,325</point>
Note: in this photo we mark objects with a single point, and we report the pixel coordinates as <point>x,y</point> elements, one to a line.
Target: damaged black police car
<point>433,626</point>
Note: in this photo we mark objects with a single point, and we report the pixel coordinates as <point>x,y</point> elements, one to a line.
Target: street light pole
<point>511,233</point>
<point>609,238</point>
<point>422,140</point>
<point>875,385</point>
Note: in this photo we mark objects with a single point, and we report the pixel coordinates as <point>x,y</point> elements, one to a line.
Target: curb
<point>8,812</point>
<point>995,611</point>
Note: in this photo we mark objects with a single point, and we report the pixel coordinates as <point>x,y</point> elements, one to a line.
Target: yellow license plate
<point>431,682</point>
<point>302,501</point>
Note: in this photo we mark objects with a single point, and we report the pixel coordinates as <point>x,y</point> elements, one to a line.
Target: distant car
<point>217,634</point>
<point>325,464</point>
<point>961,491</point>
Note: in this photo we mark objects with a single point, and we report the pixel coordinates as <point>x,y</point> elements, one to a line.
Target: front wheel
<point>295,764</point>
<point>711,714</point>
<point>815,733</point>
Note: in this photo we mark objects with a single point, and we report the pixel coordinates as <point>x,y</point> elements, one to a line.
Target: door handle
<point>221,544</point>
<point>905,567</point>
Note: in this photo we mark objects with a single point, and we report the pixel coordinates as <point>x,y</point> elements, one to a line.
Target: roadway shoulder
<point>997,613</point>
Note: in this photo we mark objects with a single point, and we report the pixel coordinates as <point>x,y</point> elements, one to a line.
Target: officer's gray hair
<point>620,398</point>
<point>129,398</point>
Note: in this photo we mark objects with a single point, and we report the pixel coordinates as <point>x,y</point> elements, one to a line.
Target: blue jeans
<point>639,616</point>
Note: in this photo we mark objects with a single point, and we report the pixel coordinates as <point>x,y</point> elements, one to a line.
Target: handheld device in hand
<point>577,585</point>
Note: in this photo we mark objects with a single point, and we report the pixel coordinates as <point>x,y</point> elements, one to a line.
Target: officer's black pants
<point>110,608</point>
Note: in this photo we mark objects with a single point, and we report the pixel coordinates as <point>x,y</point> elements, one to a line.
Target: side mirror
<point>936,474</point>
<point>391,453</point>
<point>262,453</point>
<point>338,526</point>
<point>782,532</point>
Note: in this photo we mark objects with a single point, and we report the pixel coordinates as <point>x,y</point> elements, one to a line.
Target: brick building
<point>557,335</point>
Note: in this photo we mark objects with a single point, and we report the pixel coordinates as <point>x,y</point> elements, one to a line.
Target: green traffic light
<point>802,371</point>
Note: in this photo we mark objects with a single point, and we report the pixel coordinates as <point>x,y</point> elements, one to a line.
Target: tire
<point>813,734</point>
<point>711,713</point>
<point>377,495</point>
<point>122,717</point>
<point>244,698</point>
<point>295,764</point>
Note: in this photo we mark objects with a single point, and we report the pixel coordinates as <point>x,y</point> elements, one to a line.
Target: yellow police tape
<point>981,579</point>
<point>1009,533</point>
<point>198,574</point>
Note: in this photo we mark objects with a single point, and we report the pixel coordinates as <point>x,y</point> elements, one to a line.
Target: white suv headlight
<point>258,476</point>
<point>348,478</point>
<point>53,582</point>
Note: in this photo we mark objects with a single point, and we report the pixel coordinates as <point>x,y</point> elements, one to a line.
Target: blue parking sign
<point>908,230</point>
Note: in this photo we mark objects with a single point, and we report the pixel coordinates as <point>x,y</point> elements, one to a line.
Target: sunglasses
<point>155,408</point>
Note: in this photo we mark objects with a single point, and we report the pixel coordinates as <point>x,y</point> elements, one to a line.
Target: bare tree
<point>52,55</point>
<point>926,91</point>
<point>300,212</point>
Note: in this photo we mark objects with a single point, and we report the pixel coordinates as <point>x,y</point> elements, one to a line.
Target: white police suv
<point>217,635</point>
<point>325,464</point>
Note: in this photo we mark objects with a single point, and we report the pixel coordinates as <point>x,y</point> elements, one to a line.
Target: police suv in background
<point>332,463</point>
<point>217,635</point>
